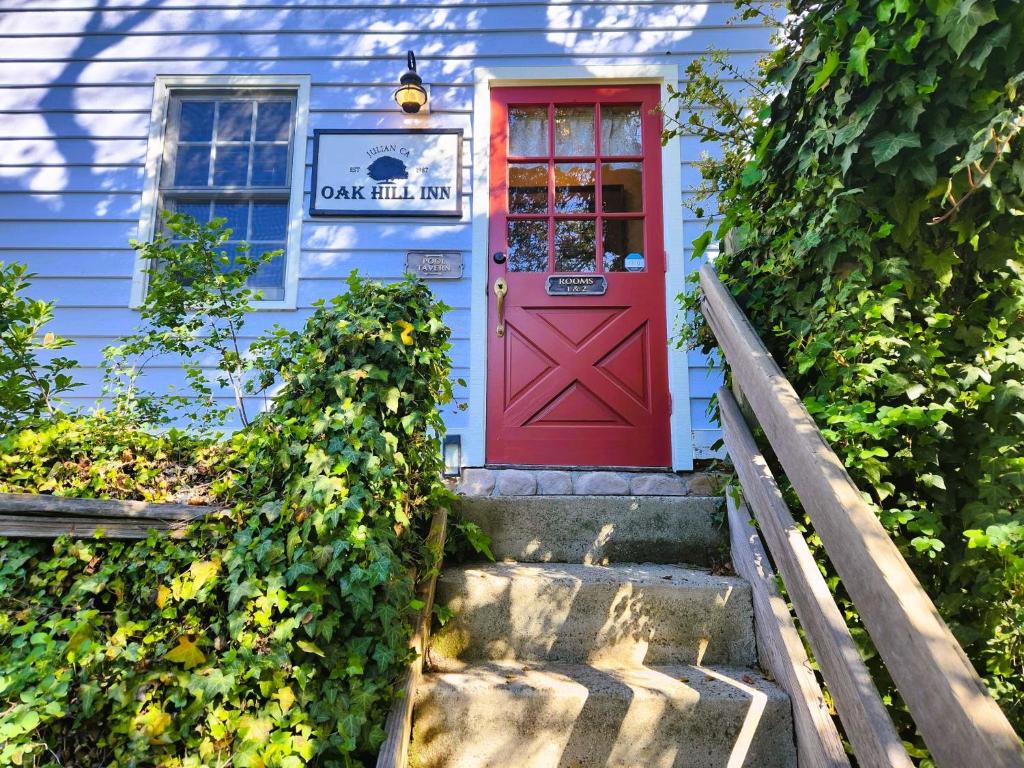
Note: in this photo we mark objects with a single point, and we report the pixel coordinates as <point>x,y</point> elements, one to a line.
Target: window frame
<point>157,163</point>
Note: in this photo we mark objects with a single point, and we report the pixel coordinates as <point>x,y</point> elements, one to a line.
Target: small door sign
<point>574,285</point>
<point>634,262</point>
<point>434,265</point>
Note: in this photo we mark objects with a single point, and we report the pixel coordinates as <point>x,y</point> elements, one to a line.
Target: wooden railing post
<point>961,724</point>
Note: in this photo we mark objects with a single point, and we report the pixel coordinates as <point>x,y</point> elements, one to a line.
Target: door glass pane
<point>624,245</point>
<point>273,120</point>
<point>527,187</point>
<point>235,122</point>
<point>620,130</point>
<point>574,188</point>
<point>528,131</point>
<point>527,246</point>
<point>231,166</point>
<point>574,131</point>
<point>192,166</point>
<point>270,165</point>
<point>575,246</point>
<point>196,121</point>
<point>622,187</point>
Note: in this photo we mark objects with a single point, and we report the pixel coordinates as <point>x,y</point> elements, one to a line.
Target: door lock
<point>499,257</point>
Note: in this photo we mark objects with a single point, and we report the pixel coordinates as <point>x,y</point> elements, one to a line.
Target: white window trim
<point>163,87</point>
<point>474,435</point>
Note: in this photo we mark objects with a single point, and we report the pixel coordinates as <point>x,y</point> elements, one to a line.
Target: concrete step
<point>628,614</point>
<point>507,715</point>
<point>599,529</point>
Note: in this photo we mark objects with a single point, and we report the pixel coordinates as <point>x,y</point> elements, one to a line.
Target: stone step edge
<point>617,573</point>
<point>670,679</point>
<point>482,481</point>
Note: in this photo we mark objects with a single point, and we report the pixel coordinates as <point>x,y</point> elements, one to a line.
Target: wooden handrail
<point>865,718</point>
<point>394,752</point>
<point>959,721</point>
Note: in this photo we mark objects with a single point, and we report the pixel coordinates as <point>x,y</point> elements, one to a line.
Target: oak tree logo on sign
<point>384,170</point>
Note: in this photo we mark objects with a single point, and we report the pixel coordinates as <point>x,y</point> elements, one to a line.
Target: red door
<point>577,354</point>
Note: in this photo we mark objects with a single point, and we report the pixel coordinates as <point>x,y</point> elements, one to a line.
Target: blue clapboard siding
<point>76,88</point>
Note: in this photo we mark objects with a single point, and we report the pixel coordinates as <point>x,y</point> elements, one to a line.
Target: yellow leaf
<point>309,647</point>
<point>254,728</point>
<point>162,593</point>
<point>186,653</point>
<point>203,571</point>
<point>407,329</point>
<point>153,722</point>
<point>286,697</point>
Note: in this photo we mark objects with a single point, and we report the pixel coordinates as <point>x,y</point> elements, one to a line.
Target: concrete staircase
<point>589,644</point>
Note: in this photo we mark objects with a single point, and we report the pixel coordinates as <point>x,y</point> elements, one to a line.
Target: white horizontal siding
<point>76,88</point>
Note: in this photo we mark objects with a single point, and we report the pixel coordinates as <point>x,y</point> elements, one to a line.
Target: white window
<point>232,148</point>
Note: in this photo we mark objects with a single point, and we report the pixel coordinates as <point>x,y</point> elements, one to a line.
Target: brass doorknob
<point>500,291</point>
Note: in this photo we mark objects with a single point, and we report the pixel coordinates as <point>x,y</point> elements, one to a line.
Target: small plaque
<point>572,285</point>
<point>434,265</point>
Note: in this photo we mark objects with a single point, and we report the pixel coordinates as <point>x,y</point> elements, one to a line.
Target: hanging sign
<point>574,285</point>
<point>434,265</point>
<point>387,172</point>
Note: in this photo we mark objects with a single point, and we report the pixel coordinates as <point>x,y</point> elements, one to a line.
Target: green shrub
<point>30,384</point>
<point>196,303</point>
<point>880,254</point>
<point>271,635</point>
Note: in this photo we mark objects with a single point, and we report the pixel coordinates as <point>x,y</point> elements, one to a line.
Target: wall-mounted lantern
<point>411,95</point>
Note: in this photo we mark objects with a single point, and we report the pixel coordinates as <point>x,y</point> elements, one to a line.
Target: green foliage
<point>197,299</point>
<point>31,383</point>
<point>880,254</point>
<point>272,634</point>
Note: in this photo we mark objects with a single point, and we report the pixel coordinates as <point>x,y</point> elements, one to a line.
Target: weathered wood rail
<point>960,723</point>
<point>394,752</point>
<point>41,516</point>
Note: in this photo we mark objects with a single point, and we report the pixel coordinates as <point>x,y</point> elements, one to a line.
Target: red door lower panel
<point>577,379</point>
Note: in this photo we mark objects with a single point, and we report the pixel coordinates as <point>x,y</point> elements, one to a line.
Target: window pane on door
<point>575,188</point>
<point>528,187</point>
<point>575,246</point>
<point>528,246</point>
<point>622,237</point>
<point>528,131</point>
<point>622,187</point>
<point>574,131</point>
<point>620,130</point>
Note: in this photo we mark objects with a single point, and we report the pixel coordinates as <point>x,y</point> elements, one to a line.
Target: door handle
<point>500,291</point>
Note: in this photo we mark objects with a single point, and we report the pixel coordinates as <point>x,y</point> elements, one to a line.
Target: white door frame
<point>474,436</point>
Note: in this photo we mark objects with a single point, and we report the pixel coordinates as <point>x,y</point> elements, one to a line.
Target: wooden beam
<point>868,725</point>
<point>33,527</point>
<point>45,504</point>
<point>394,752</point>
<point>780,649</point>
<point>961,724</point>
